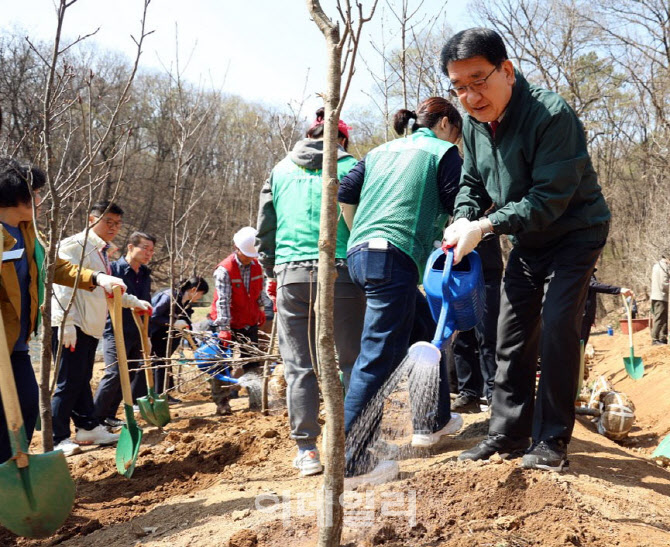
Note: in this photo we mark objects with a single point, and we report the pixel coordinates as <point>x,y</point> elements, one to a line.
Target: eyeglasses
<point>113,223</point>
<point>477,86</point>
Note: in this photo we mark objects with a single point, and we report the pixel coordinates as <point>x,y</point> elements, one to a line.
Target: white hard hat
<point>245,240</point>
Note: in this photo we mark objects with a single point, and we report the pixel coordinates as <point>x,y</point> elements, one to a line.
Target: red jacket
<point>244,307</point>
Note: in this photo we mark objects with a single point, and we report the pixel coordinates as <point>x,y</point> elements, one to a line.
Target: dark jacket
<point>160,315</point>
<point>139,285</point>
<point>536,170</point>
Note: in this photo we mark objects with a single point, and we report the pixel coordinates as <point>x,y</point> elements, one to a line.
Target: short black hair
<point>194,281</point>
<point>474,42</point>
<point>137,237</point>
<point>14,179</point>
<point>99,208</point>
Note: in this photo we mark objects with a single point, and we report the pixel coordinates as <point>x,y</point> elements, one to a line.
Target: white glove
<point>466,237</point>
<point>69,336</point>
<point>452,233</point>
<point>108,282</point>
<point>180,324</point>
<point>131,301</point>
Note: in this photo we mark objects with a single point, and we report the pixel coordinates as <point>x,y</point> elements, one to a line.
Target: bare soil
<point>197,483</point>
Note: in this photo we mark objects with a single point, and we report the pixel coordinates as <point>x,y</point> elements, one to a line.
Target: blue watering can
<point>208,357</point>
<point>455,294</point>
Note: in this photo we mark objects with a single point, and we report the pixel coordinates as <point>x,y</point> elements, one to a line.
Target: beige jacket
<point>659,280</point>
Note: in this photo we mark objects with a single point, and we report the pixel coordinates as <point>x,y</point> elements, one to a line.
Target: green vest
<point>296,194</point>
<point>400,200</point>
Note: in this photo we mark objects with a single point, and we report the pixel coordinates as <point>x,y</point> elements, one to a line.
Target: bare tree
<point>330,527</point>
<point>64,174</point>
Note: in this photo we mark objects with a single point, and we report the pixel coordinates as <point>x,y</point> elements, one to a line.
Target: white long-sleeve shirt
<point>89,310</point>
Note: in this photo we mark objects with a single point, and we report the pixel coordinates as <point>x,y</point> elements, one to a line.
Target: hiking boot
<point>173,400</point>
<point>98,435</point>
<point>68,447</point>
<point>550,455</point>
<point>507,447</point>
<point>223,409</point>
<point>114,423</point>
<point>308,462</point>
<point>466,404</point>
<point>384,471</point>
<point>426,440</point>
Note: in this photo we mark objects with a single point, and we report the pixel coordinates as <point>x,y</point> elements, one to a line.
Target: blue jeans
<point>389,278</point>
<point>26,386</point>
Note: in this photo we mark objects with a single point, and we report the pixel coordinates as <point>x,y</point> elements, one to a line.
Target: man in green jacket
<point>525,149</point>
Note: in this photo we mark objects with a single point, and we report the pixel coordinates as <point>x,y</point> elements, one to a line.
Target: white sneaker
<point>98,435</point>
<point>385,471</point>
<point>68,447</point>
<point>426,440</point>
<point>308,462</point>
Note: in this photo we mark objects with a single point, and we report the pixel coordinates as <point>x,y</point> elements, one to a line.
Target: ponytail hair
<point>428,114</point>
<point>401,120</point>
<point>315,130</point>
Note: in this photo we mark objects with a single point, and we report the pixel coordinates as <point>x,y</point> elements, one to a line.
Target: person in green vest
<point>22,284</point>
<point>288,234</point>
<point>391,200</point>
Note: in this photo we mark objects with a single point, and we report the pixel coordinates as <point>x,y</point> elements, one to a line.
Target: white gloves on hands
<point>69,336</point>
<point>180,324</point>
<point>131,301</point>
<point>108,282</point>
<point>465,235</point>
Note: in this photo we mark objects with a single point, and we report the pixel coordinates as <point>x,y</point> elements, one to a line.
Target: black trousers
<point>543,291</point>
<point>108,396</point>
<point>26,386</point>
<point>159,349</point>
<point>475,349</point>
<point>73,397</point>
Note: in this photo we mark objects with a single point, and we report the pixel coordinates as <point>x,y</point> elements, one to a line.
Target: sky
<point>262,50</point>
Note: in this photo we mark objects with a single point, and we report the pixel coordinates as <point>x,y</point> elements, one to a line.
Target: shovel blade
<point>663,449</point>
<point>128,446</point>
<point>39,497</point>
<point>634,367</point>
<point>154,409</point>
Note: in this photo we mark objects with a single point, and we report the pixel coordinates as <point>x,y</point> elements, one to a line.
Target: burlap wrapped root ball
<point>617,415</point>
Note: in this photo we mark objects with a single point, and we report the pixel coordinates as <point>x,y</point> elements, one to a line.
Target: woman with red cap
<point>288,232</point>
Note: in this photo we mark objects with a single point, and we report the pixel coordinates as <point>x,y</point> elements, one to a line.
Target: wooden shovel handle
<point>116,313</point>
<point>10,397</point>
<point>189,339</point>
<point>142,322</point>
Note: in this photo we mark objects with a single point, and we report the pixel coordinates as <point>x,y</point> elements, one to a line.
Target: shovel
<point>36,490</point>
<point>131,436</point>
<point>153,408</point>
<point>662,451</point>
<point>634,365</point>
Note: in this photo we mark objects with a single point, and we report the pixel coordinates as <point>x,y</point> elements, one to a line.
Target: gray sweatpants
<point>296,333</point>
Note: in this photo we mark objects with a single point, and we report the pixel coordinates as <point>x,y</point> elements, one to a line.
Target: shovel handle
<point>630,320</point>
<point>10,397</point>
<point>189,339</point>
<point>142,322</point>
<point>116,313</point>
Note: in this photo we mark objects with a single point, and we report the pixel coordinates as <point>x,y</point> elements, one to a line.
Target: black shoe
<point>507,447</point>
<point>173,400</point>
<point>659,343</point>
<point>465,404</point>
<point>114,423</point>
<point>551,455</point>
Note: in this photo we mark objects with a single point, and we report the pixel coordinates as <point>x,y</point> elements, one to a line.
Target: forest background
<point>186,160</point>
